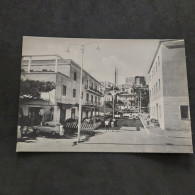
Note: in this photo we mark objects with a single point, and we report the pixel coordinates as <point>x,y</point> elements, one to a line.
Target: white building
<point>61,103</point>
<point>107,84</point>
<point>168,87</point>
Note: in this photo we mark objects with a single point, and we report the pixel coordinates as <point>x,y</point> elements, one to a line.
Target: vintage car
<point>131,115</point>
<point>52,128</point>
<point>26,131</point>
<point>127,115</point>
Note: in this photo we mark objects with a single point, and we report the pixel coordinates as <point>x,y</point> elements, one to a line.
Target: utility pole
<point>80,96</point>
<point>81,77</point>
<point>113,102</point>
<point>140,104</point>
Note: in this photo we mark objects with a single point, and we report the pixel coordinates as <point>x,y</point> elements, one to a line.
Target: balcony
<point>92,90</point>
<point>92,103</point>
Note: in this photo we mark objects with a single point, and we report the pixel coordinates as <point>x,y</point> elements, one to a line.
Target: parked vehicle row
<point>48,128</point>
<point>58,129</point>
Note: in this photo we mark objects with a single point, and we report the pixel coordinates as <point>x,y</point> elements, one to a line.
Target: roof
<point>60,60</point>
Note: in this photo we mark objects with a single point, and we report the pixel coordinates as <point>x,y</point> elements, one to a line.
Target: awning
<point>67,106</point>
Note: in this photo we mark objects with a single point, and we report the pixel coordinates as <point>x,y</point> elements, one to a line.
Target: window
<point>82,95</point>
<point>158,61</point>
<point>87,97</point>
<point>82,80</point>
<point>159,84</point>
<point>95,99</point>
<point>86,86</point>
<point>64,90</point>
<point>184,112</point>
<point>156,88</point>
<point>74,92</point>
<point>150,93</point>
<point>75,76</point>
<point>91,98</point>
<point>156,66</point>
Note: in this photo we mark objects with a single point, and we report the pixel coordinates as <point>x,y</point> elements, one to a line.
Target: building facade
<point>128,100</point>
<point>169,99</point>
<point>61,103</point>
<point>107,84</point>
<point>129,81</point>
<point>140,81</point>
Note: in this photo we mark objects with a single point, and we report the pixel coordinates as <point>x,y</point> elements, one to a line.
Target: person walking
<point>106,125</point>
<point>134,118</point>
<point>148,121</point>
<point>114,121</point>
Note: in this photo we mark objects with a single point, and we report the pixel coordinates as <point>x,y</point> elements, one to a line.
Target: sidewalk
<point>160,132</point>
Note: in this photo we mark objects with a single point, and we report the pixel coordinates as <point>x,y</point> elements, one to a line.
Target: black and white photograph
<point>103,95</point>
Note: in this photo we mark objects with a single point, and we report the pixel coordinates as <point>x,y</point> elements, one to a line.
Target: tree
<point>34,88</point>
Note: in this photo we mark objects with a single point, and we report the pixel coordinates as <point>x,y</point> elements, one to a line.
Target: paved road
<point>117,141</point>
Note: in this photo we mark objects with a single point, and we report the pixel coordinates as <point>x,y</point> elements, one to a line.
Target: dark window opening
<point>184,112</point>
<point>74,92</point>
<point>63,90</point>
<point>75,76</point>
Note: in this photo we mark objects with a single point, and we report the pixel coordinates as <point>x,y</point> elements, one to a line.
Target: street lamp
<point>81,76</point>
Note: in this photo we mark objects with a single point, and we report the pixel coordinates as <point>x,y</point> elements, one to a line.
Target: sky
<point>132,56</point>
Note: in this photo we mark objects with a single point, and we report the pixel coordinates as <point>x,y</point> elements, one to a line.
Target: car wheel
<point>37,132</point>
<point>53,133</point>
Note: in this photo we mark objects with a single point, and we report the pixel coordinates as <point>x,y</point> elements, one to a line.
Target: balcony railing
<point>90,102</point>
<point>93,90</point>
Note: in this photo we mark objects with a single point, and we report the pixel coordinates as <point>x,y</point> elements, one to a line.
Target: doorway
<point>62,115</point>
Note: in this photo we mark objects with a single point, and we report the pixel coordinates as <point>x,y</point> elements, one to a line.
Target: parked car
<point>71,120</point>
<point>52,128</point>
<point>117,116</point>
<point>27,131</point>
<point>127,115</point>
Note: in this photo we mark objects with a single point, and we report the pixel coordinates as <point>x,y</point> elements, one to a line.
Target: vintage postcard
<point>103,95</point>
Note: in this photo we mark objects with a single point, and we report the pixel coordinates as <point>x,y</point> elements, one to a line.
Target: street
<point>128,136</point>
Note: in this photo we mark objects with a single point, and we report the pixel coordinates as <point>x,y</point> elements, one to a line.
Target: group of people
<point>110,123</point>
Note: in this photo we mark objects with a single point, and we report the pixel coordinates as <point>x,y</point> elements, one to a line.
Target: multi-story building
<point>62,102</point>
<point>140,81</point>
<point>129,81</point>
<point>107,84</point>
<point>128,100</point>
<point>169,100</point>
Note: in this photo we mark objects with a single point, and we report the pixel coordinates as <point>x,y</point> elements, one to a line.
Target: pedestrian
<point>148,121</point>
<point>114,120</point>
<point>106,125</point>
<point>134,118</point>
